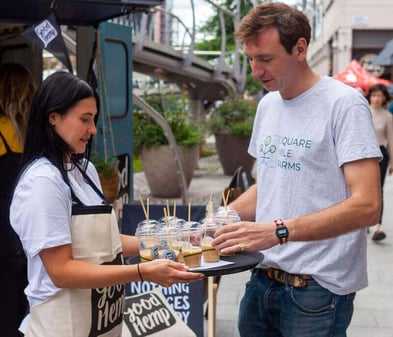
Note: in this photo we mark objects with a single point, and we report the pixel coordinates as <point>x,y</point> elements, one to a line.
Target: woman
<point>70,236</point>
<point>17,87</point>
<point>378,97</point>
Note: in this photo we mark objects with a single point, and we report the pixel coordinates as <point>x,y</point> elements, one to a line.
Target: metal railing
<point>161,25</point>
<point>156,27</point>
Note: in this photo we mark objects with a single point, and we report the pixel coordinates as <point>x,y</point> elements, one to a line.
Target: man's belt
<point>294,280</point>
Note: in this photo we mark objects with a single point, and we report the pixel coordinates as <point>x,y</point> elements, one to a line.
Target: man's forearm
<point>245,204</point>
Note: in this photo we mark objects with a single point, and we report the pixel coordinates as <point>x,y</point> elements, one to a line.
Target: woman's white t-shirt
<point>41,215</point>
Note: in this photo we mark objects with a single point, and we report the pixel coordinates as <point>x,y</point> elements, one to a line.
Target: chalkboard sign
<point>186,300</point>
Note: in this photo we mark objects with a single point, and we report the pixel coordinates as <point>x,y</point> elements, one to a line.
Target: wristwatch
<point>281,231</point>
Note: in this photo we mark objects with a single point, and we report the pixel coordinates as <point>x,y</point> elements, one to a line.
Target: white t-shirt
<point>41,215</point>
<point>300,146</point>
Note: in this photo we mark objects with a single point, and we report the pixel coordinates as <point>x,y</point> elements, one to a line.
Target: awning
<point>70,12</point>
<point>385,57</point>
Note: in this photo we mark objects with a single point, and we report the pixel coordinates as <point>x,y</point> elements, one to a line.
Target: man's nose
<point>256,69</point>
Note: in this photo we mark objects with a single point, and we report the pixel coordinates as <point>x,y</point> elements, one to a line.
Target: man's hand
<point>245,236</point>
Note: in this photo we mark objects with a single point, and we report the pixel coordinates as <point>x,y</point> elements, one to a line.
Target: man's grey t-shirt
<point>300,146</point>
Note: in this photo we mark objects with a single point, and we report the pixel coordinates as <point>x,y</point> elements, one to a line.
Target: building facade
<point>349,29</point>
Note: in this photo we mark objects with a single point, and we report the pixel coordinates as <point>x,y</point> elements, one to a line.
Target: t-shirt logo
<point>283,152</point>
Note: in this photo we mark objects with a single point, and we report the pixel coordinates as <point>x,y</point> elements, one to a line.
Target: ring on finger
<point>242,247</point>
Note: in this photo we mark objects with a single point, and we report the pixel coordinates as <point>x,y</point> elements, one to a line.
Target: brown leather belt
<point>294,280</point>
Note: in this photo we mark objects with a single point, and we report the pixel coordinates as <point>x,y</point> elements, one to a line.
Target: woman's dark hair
<point>57,93</point>
<point>382,88</point>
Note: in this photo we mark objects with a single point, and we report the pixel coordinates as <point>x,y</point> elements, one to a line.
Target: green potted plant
<point>151,143</point>
<point>231,123</point>
<point>109,176</point>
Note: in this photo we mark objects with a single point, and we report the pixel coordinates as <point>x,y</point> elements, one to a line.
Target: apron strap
<point>91,183</point>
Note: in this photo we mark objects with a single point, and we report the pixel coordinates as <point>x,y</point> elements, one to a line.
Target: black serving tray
<point>241,261</point>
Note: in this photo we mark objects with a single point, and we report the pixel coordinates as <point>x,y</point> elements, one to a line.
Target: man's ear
<point>300,49</point>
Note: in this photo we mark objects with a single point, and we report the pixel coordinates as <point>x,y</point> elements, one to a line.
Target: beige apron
<point>85,312</point>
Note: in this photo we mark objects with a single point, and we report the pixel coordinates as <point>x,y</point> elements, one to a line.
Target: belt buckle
<point>279,275</point>
<point>297,281</point>
<point>275,274</point>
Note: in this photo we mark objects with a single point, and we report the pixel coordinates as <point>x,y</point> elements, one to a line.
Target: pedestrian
<point>17,87</point>
<point>378,97</point>
<point>390,106</point>
<point>69,233</point>
<point>317,188</point>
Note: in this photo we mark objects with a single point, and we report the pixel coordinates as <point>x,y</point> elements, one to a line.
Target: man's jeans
<point>272,309</point>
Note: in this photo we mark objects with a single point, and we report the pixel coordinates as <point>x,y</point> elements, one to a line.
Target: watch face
<point>282,232</point>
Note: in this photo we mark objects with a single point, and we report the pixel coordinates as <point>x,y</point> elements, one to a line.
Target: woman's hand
<point>66,272</point>
<point>167,272</point>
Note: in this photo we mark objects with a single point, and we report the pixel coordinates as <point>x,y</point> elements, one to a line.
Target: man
<point>317,187</point>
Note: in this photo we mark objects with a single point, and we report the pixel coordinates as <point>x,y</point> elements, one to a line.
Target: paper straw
<point>167,208</point>
<point>166,217</point>
<point>148,212</point>
<point>209,207</point>
<point>143,207</point>
<point>189,221</point>
<point>167,227</point>
<point>227,198</point>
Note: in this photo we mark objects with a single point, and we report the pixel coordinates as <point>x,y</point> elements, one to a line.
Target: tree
<point>212,35</point>
<point>211,30</point>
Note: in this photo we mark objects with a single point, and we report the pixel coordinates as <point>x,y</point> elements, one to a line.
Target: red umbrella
<point>357,77</point>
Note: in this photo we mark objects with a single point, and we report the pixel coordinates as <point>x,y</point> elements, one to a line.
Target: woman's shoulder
<point>387,113</point>
<point>388,116</point>
<point>41,180</point>
<point>42,170</point>
<point>42,164</point>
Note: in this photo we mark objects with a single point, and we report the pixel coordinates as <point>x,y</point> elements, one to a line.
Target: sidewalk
<point>373,316</point>
<point>374,305</point>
